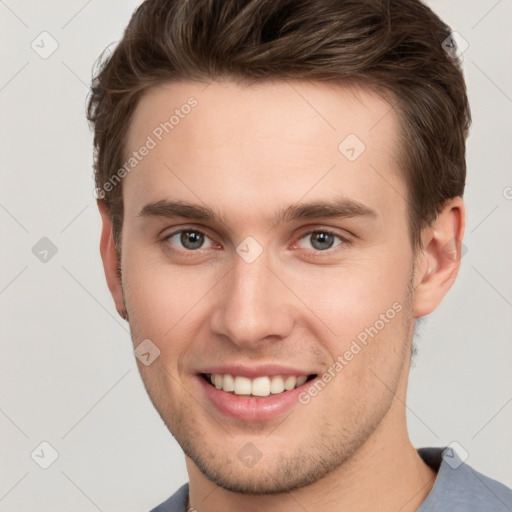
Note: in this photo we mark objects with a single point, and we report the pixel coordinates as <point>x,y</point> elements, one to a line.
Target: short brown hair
<point>393,46</point>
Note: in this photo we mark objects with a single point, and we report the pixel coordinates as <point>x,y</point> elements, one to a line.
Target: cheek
<point>366,306</point>
<point>166,303</point>
<point>353,296</point>
<point>156,303</point>
<point>151,294</point>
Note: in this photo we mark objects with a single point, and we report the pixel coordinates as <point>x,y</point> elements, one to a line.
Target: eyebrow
<point>337,208</point>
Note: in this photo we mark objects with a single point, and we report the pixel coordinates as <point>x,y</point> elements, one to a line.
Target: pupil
<point>322,240</point>
<point>192,239</point>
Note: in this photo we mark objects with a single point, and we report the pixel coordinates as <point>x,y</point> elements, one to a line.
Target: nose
<point>252,306</point>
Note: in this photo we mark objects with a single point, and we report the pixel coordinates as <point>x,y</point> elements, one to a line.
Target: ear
<point>438,260</point>
<point>111,262</point>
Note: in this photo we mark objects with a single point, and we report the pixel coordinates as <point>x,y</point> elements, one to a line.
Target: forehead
<point>267,108</point>
<point>254,146</point>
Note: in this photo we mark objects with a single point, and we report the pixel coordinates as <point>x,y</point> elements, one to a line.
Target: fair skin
<point>248,153</point>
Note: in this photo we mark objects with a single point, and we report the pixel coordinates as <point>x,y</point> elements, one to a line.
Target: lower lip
<point>252,408</point>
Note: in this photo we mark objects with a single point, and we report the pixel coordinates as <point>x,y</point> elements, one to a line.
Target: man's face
<point>291,299</point>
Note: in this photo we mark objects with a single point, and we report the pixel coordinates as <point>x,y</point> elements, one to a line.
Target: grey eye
<point>189,239</point>
<point>320,240</point>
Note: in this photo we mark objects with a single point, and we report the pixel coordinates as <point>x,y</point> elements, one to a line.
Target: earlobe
<point>438,262</point>
<point>110,258</point>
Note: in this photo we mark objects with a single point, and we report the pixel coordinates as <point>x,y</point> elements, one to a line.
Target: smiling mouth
<point>258,387</point>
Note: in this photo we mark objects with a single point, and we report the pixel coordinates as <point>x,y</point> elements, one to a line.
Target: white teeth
<point>301,380</point>
<point>228,384</point>
<point>242,386</point>
<point>277,385</point>
<point>259,386</point>
<point>290,382</point>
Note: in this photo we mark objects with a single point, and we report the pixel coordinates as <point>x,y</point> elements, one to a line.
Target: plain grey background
<point>68,376</point>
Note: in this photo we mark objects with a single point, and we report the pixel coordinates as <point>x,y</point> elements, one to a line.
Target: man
<point>280,185</point>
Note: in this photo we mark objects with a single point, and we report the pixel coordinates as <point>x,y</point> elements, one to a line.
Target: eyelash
<point>344,242</point>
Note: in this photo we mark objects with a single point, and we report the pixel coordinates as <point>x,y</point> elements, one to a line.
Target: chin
<point>261,479</point>
<point>285,470</point>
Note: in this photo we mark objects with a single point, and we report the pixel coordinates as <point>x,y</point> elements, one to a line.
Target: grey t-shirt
<point>458,488</point>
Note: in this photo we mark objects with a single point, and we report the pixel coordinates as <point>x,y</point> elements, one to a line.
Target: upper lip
<point>251,372</point>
